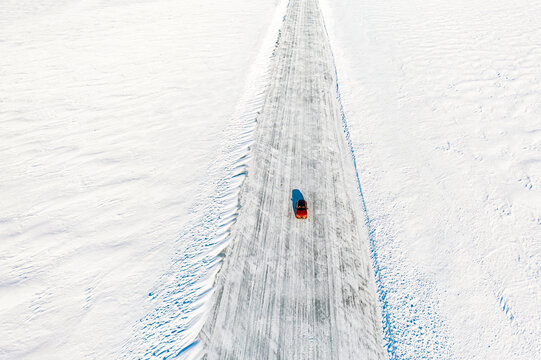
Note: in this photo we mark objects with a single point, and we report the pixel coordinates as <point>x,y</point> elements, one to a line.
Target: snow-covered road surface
<point>297,289</point>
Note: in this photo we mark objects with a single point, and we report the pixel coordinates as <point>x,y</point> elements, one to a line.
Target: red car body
<point>301,209</point>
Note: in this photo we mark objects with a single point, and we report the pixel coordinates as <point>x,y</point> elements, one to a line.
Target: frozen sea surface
<point>443,103</point>
<point>128,127</point>
<point>112,116</point>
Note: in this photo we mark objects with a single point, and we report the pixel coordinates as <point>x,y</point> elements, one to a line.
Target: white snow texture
<point>149,148</point>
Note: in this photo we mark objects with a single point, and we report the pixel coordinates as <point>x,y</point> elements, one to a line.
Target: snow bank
<point>442,100</point>
<point>113,118</point>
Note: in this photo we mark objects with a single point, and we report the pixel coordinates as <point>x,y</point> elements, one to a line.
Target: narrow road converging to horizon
<point>289,288</point>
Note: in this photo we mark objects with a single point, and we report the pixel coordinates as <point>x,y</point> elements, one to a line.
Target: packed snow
<point>290,288</point>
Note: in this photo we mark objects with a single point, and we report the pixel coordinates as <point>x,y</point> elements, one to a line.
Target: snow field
<point>123,143</point>
<point>112,118</point>
<point>442,100</point>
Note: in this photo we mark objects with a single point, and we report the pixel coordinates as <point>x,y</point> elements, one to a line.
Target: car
<point>301,209</point>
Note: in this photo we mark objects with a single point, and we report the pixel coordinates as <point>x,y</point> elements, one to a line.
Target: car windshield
<point>301,203</point>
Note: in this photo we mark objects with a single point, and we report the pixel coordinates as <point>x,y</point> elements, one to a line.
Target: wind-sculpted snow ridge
<point>182,297</point>
<point>288,288</point>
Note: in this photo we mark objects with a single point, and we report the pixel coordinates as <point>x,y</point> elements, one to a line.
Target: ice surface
<point>290,288</point>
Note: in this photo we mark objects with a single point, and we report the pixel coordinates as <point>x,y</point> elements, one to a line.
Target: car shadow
<point>296,195</point>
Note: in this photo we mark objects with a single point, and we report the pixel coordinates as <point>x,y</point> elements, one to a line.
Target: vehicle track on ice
<point>288,288</point>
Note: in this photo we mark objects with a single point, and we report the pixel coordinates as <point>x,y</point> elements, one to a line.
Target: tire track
<point>297,289</point>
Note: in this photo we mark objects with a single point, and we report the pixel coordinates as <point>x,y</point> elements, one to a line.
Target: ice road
<point>288,288</point>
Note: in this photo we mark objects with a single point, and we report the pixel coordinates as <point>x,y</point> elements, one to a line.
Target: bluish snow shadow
<point>296,195</point>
